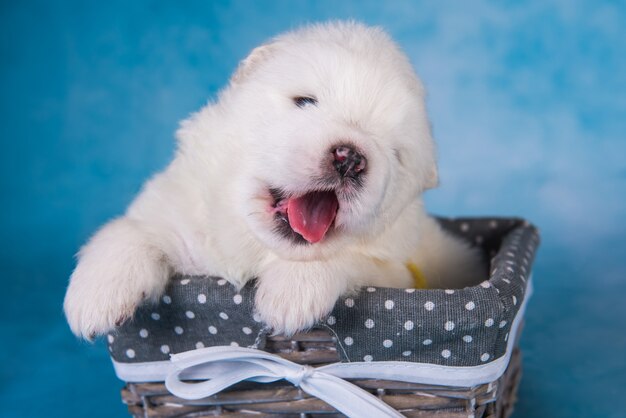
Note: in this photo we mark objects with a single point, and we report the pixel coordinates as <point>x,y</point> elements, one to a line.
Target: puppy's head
<point>335,137</point>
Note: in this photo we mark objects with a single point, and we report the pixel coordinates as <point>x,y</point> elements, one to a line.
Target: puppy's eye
<point>302,101</point>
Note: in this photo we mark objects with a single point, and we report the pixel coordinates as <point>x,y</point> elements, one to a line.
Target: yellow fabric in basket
<point>419,280</point>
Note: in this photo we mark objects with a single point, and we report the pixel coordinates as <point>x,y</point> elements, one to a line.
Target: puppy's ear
<point>432,177</point>
<point>252,62</point>
<point>431,174</point>
<point>431,171</point>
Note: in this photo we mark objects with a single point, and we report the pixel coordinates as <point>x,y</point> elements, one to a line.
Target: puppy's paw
<point>294,296</point>
<point>95,304</point>
<point>288,311</point>
<point>115,274</point>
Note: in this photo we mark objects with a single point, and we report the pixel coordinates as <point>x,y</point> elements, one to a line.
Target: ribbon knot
<point>230,365</point>
<point>297,376</point>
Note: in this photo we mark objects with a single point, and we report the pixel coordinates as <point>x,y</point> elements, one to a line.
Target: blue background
<point>528,104</point>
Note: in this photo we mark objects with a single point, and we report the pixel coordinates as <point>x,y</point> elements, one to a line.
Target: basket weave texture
<point>281,399</point>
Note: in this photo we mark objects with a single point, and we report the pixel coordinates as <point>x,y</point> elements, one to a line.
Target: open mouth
<point>306,218</point>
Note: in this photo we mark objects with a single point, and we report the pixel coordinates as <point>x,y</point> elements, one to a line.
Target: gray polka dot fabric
<point>452,327</point>
<point>195,312</point>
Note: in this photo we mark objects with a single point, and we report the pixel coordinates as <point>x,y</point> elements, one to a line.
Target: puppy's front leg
<point>293,295</point>
<point>119,268</point>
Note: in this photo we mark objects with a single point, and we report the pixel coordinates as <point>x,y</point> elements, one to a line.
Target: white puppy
<point>306,174</point>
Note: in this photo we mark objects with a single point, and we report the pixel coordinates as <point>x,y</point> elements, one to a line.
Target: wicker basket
<point>494,398</point>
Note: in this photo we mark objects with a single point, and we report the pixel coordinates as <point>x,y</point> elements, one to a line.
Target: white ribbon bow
<point>230,365</point>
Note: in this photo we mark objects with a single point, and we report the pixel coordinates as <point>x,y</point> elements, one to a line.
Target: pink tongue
<point>312,214</point>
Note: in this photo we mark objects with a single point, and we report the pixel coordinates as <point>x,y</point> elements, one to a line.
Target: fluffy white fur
<point>209,212</point>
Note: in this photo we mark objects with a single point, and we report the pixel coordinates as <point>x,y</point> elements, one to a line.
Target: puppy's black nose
<point>348,162</point>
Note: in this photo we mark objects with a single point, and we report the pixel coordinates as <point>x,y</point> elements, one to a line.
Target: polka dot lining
<point>378,323</point>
